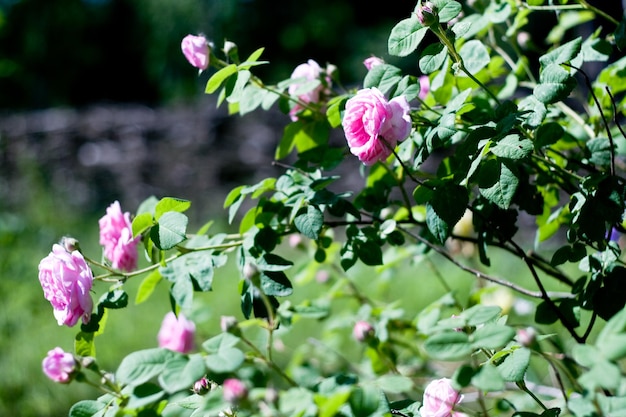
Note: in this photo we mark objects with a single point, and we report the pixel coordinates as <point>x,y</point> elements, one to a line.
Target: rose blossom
<point>66,280</point>
<point>309,71</point>
<point>362,331</point>
<point>372,61</point>
<point>59,365</point>
<point>439,399</point>
<point>234,390</point>
<point>369,119</point>
<point>116,236</point>
<point>177,333</point>
<point>196,50</point>
<point>424,86</point>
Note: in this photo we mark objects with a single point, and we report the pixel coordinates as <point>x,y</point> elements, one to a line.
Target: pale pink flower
<point>373,126</point>
<point>308,71</point>
<point>177,333</point>
<point>116,236</point>
<point>424,86</point>
<point>439,399</point>
<point>196,50</point>
<point>234,390</point>
<point>59,365</point>
<point>362,331</point>
<point>66,280</point>
<point>372,61</point>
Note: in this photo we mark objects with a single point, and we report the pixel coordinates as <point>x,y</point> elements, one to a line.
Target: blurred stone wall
<point>92,156</point>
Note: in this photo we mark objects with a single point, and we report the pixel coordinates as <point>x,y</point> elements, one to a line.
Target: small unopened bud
<point>250,271</point>
<point>363,331</point>
<point>235,391</point>
<point>202,386</point>
<point>60,366</point>
<point>427,14</point>
<point>69,243</point>
<point>229,47</point>
<point>228,324</point>
<point>526,337</point>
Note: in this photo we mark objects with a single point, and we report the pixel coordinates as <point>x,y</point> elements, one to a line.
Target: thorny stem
<point>269,362</point>
<point>604,121</point>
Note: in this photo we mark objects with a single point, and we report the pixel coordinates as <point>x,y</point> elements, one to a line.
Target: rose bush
<point>462,157</point>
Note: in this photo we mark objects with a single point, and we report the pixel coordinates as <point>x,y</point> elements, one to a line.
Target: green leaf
<point>562,54</point>
<point>170,204</point>
<point>612,338</point>
<point>273,262</point>
<point>432,58</point>
<point>181,372</point>
<point>448,346</point>
<point>227,359</point>
<point>141,223</point>
<point>87,408</point>
<point>475,56</point>
<point>406,36</point>
<point>144,395</point>
<point>140,366</point>
<point>514,366</point>
<point>196,266</point>
<point>448,10</point>
<point>251,98</point>
<point>620,34</point>
<point>488,379</point>
<point>219,342</point>
<point>219,77</point>
<point>310,222</point>
<point>369,253</point>
<point>492,336</point>
<point>365,400</point>
<point>276,283</point>
<point>498,183</point>
<point>170,230</point>
<point>511,147</point>
<point>303,136</point>
<point>555,84</point>
<point>450,202</point>
<point>548,134</point>
<point>147,286</point>
<point>384,77</point>
<point>84,345</point>
<point>114,299</point>
<point>252,59</point>
<point>439,228</point>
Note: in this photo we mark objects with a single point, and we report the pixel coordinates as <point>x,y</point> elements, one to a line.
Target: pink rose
<point>372,61</point>
<point>66,281</point>
<point>116,235</point>
<point>424,86</point>
<point>308,71</point>
<point>59,366</point>
<point>234,390</point>
<point>177,333</point>
<point>370,119</point>
<point>439,399</point>
<point>196,50</point>
<point>362,331</point>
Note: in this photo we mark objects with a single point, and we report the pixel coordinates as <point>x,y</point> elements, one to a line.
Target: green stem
<point>270,363</point>
<point>524,388</point>
<point>438,30</point>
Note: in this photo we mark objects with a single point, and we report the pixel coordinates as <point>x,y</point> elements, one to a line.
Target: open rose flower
<point>308,72</point>
<point>235,390</point>
<point>440,398</point>
<point>196,50</point>
<point>59,365</point>
<point>373,126</point>
<point>116,236</point>
<point>66,280</point>
<point>177,333</point>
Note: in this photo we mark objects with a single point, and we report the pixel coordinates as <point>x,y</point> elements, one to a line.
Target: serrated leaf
<point>514,366</point>
<point>433,57</point>
<point>406,36</point>
<point>498,183</point>
<point>475,56</point>
<point>140,366</point>
<point>384,77</point>
<point>276,283</point>
<point>439,228</point>
<point>181,372</point>
<point>448,346</point>
<point>170,230</point>
<point>448,9</point>
<point>87,408</point>
<point>562,54</point>
<point>511,147</point>
<point>225,360</point>
<point>555,84</point>
<point>310,222</point>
